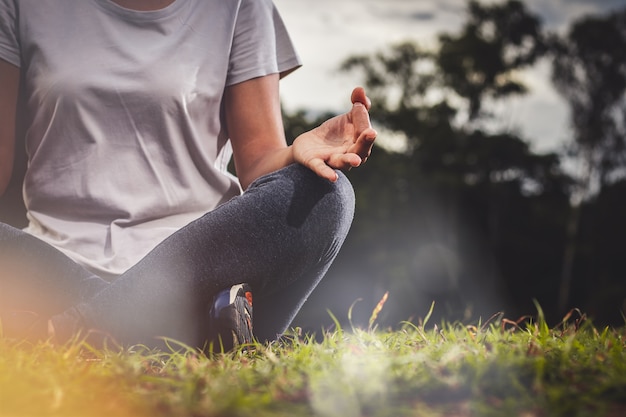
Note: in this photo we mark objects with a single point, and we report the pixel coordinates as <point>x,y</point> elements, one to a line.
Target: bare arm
<point>256,131</point>
<point>9,80</point>
<point>255,128</point>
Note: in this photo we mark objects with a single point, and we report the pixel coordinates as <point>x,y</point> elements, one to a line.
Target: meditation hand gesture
<point>342,142</point>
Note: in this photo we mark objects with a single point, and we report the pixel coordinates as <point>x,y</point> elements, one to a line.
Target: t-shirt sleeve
<point>9,43</point>
<point>261,43</point>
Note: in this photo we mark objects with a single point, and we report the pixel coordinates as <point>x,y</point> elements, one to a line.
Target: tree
<point>589,70</point>
<point>496,41</point>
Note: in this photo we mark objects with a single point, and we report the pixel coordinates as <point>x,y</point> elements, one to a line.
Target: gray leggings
<point>280,236</point>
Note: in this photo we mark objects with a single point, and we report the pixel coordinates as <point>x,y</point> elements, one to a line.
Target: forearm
<point>254,122</point>
<point>270,161</point>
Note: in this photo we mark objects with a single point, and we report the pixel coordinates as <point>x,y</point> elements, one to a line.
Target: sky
<point>326,32</point>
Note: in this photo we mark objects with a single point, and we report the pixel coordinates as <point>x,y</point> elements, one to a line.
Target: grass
<point>497,368</point>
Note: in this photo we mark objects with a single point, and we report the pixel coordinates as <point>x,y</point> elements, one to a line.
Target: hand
<point>342,142</point>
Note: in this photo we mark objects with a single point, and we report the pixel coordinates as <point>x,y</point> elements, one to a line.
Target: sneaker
<point>230,317</point>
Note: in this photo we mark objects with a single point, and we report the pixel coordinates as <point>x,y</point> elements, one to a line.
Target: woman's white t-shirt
<point>125,139</point>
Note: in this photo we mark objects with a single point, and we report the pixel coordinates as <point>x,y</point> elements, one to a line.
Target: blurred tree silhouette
<point>496,41</point>
<point>589,70</point>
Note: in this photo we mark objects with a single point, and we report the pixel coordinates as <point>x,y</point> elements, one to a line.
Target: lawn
<point>496,368</point>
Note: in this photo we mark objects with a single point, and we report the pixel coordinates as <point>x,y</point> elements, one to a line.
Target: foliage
<point>590,72</point>
<point>499,367</point>
<point>496,41</point>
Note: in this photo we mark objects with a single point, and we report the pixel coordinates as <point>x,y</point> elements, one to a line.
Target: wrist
<point>290,157</point>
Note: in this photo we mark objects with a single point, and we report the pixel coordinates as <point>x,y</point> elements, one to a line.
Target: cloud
<point>558,14</point>
<point>599,5</point>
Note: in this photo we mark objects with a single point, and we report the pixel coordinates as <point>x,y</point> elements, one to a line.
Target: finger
<point>344,161</point>
<point>367,136</point>
<point>359,96</point>
<point>360,118</point>
<point>364,143</point>
<point>318,166</point>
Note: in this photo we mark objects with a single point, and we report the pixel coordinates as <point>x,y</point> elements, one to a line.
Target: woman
<point>136,228</point>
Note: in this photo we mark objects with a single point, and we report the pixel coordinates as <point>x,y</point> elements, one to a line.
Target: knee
<point>343,200</point>
<point>330,203</point>
<point>321,212</point>
<point>309,204</point>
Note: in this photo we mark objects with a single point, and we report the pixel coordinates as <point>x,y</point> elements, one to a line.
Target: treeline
<point>466,214</point>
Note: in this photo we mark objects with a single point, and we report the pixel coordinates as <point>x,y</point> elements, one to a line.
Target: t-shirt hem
<point>10,57</point>
<point>285,68</point>
<point>289,66</point>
